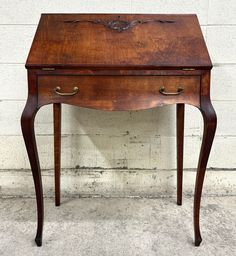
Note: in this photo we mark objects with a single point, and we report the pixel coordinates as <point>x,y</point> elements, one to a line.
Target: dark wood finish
<point>57,150</point>
<point>118,62</point>
<point>210,121</point>
<point>153,45</point>
<point>180,148</point>
<point>120,72</point>
<point>119,92</point>
<point>27,126</point>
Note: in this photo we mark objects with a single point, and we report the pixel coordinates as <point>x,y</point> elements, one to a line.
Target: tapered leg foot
<point>38,241</point>
<point>198,241</point>
<point>180,148</point>
<point>179,202</point>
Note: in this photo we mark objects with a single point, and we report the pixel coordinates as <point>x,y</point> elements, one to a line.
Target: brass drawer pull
<point>57,91</point>
<point>179,91</point>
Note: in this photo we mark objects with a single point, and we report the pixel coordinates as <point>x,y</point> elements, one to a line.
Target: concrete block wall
<point>117,153</point>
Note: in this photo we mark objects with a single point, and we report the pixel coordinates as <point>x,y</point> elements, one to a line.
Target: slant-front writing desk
<point>118,62</point>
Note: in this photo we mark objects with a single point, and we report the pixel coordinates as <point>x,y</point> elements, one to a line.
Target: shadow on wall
<point>120,139</point>
<point>118,153</point>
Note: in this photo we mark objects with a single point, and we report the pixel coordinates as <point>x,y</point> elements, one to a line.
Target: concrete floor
<point>115,226</point>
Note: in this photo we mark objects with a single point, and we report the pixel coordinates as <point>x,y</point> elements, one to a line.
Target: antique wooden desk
<point>118,62</point>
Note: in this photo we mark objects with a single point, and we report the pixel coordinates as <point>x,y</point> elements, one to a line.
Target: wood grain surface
<point>167,41</point>
<point>119,92</point>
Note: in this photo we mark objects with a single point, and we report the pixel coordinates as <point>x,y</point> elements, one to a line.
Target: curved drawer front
<point>118,92</point>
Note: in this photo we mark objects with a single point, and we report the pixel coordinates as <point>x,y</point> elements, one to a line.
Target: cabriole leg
<point>210,120</point>
<point>27,125</point>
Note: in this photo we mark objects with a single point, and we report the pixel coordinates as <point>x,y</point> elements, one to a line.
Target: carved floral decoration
<point>119,24</point>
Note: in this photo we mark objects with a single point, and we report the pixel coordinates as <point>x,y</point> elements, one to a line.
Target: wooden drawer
<point>118,92</point>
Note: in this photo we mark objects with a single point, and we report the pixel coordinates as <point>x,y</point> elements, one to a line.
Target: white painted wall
<point>116,153</point>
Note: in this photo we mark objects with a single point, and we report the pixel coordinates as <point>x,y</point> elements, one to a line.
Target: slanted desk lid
<point>119,41</point>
